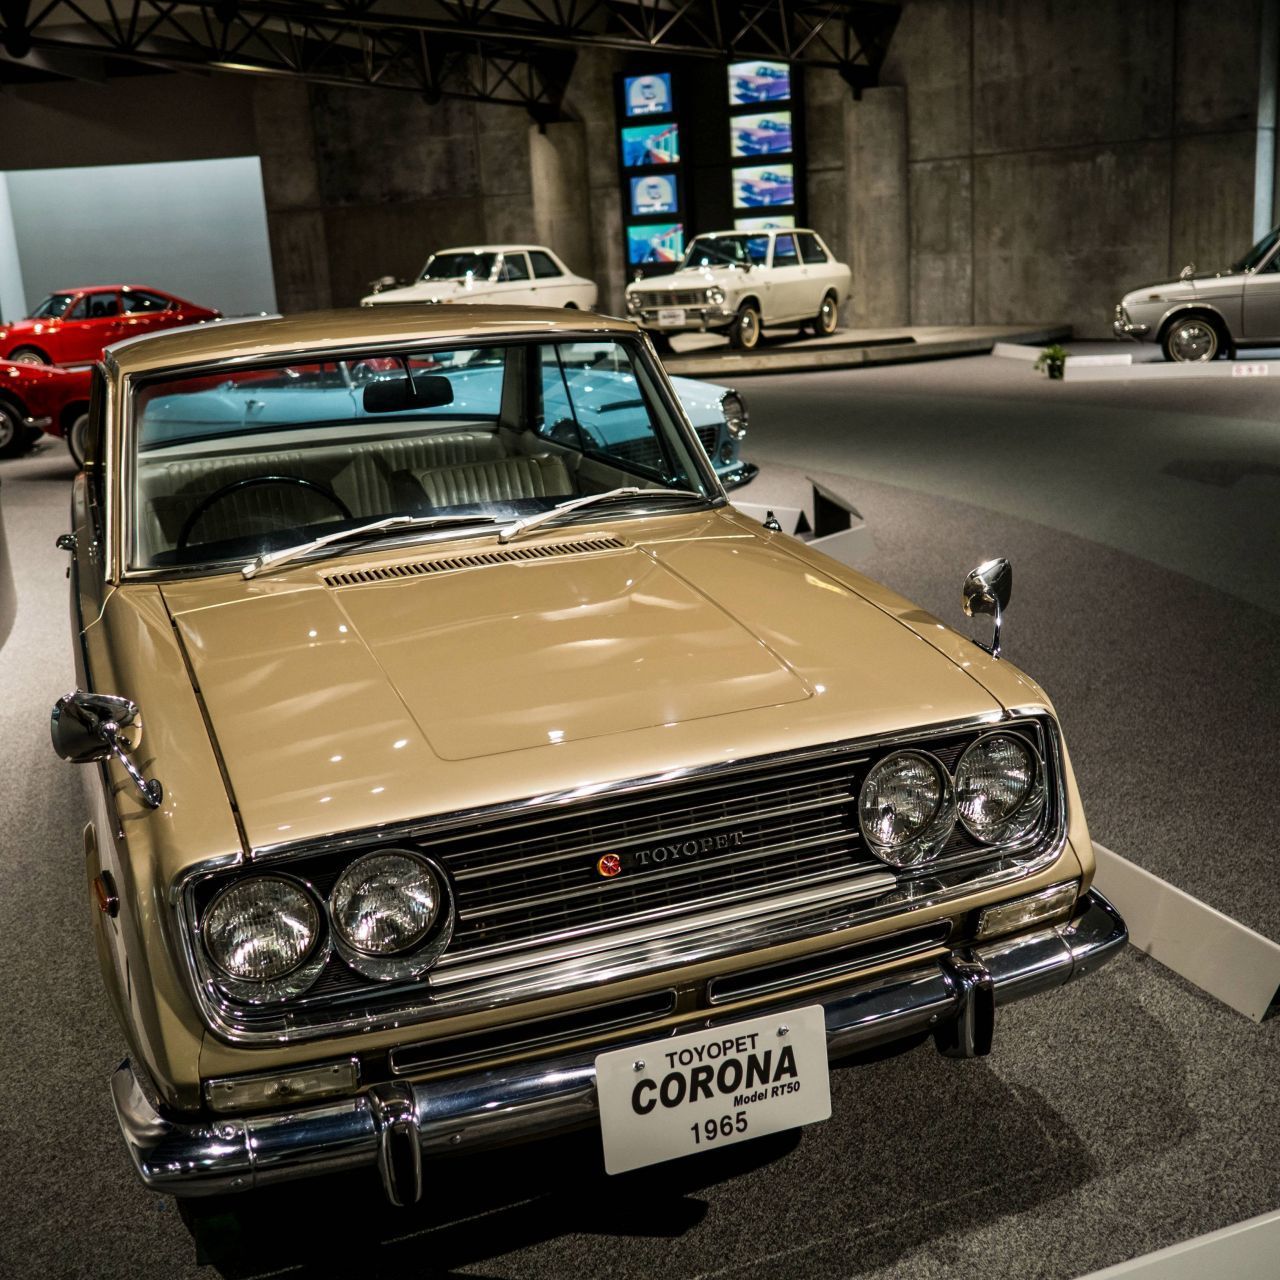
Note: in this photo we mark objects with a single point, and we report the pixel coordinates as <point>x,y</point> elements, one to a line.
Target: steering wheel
<point>250,482</point>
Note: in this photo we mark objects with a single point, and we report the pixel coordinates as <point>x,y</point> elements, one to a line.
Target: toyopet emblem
<point>722,842</point>
<point>609,865</point>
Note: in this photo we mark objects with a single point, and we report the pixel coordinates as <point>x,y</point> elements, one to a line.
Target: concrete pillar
<point>561,198</point>
<point>1264,182</point>
<point>878,223</point>
<point>13,301</point>
<point>291,186</point>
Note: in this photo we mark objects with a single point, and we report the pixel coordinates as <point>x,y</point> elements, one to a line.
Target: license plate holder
<point>668,316</point>
<point>712,1088</point>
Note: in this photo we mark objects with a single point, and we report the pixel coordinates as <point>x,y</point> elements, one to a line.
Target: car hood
<point>1204,284</point>
<point>433,291</point>
<point>338,706</point>
<point>691,278</point>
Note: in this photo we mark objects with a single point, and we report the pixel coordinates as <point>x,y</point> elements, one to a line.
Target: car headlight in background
<point>734,409</point>
<point>907,808</point>
<point>1000,789</point>
<point>715,296</point>
<point>266,935</point>
<point>633,302</point>
<point>392,915</point>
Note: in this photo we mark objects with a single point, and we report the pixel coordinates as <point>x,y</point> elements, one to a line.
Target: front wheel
<point>77,431</point>
<point>29,355</point>
<point>13,435</point>
<point>745,333</point>
<point>1193,339</point>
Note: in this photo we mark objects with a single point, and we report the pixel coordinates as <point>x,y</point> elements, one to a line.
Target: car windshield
<point>458,266</point>
<point>1259,251</point>
<point>231,465</point>
<point>734,251</point>
<point>53,306</point>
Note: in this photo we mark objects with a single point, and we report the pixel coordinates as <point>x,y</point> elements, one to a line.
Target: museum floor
<point>1115,1116</point>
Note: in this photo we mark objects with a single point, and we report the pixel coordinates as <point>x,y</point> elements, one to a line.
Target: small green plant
<point>1053,360</point>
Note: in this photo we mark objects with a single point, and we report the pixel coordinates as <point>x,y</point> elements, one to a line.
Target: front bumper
<point>698,319</point>
<point>393,1126</point>
<point>1123,327</point>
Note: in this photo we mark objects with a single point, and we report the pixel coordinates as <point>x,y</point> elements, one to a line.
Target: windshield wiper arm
<point>574,504</point>
<point>283,556</point>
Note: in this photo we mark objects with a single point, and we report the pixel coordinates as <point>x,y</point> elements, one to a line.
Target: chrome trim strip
<point>488,1108</point>
<point>545,970</point>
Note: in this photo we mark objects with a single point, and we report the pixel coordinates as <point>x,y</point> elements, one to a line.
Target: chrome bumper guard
<point>393,1126</point>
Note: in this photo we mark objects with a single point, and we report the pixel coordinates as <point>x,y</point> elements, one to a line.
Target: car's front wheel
<point>1194,338</point>
<point>745,332</point>
<point>13,435</point>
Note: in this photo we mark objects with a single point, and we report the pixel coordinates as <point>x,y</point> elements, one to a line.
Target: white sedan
<point>520,275</point>
<point>737,282</point>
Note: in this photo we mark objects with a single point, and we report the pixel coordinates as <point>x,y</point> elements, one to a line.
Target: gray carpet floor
<point>1115,1116</point>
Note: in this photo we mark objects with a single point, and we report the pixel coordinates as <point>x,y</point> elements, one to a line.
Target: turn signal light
<point>283,1088</point>
<point>1010,917</point>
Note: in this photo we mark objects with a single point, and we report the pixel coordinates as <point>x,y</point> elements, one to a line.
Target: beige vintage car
<point>463,768</point>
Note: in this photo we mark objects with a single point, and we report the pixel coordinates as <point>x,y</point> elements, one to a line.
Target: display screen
<point>763,186</point>
<point>650,144</point>
<point>758,82</point>
<point>648,95</point>
<point>654,194</point>
<point>778,221</point>
<point>655,244</point>
<point>763,135</point>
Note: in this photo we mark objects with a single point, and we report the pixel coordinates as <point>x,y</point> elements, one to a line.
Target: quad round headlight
<point>1000,790</point>
<point>265,935</point>
<point>906,808</point>
<point>715,295</point>
<point>734,409</point>
<point>392,915</point>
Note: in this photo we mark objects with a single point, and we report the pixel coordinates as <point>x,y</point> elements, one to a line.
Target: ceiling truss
<point>511,51</point>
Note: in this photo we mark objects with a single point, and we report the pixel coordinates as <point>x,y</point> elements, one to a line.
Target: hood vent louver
<point>473,560</point>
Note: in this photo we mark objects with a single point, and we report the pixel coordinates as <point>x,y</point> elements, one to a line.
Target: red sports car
<point>73,326</point>
<point>42,398</point>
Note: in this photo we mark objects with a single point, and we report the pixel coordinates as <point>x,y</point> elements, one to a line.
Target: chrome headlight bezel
<point>293,981</point>
<point>715,295</point>
<point>1025,815</point>
<point>733,409</point>
<point>634,303</point>
<point>930,836</point>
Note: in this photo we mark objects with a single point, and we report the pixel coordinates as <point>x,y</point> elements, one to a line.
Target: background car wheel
<point>1193,338</point>
<point>77,430</point>
<point>29,355</point>
<point>745,334</point>
<point>13,435</point>
<point>828,317</point>
<point>571,306</point>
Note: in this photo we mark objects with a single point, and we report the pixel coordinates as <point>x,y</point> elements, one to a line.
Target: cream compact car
<point>513,275</point>
<point>739,282</point>
<point>463,768</point>
<point>1201,316</point>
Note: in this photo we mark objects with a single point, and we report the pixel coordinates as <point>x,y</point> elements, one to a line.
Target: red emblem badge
<point>609,865</point>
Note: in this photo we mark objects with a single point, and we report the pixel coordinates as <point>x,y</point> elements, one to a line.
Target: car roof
<point>492,248</point>
<point>764,231</point>
<point>322,331</point>
<point>97,288</point>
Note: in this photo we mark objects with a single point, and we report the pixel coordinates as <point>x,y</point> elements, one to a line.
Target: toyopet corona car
<point>737,282</point>
<point>459,775</point>
<point>511,274</point>
<point>39,398</point>
<point>1206,315</point>
<point>73,326</point>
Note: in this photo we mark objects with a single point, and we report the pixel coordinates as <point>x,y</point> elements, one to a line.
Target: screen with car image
<point>648,95</point>
<point>645,144</point>
<point>771,223</point>
<point>760,135</point>
<point>758,81</point>
<point>762,186</point>
<point>653,194</point>
<point>655,244</point>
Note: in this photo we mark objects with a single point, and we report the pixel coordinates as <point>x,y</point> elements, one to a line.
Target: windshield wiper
<point>574,504</point>
<point>259,563</point>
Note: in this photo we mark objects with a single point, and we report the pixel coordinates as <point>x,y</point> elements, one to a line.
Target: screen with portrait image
<point>655,244</point>
<point>653,194</point>
<point>648,95</point>
<point>644,144</point>
<point>758,81</point>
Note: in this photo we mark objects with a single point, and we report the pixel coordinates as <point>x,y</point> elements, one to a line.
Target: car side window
<point>810,250</point>
<point>544,268</point>
<point>1270,267</point>
<point>514,267</point>
<point>81,309</point>
<point>138,300</point>
<point>102,306</point>
<point>784,252</point>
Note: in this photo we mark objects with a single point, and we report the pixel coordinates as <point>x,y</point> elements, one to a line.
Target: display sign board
<point>654,193</point>
<point>760,135</point>
<point>655,244</point>
<point>758,81</point>
<point>646,144</point>
<point>648,95</point>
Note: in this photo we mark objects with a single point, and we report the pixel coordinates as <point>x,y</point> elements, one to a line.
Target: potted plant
<point>1053,360</point>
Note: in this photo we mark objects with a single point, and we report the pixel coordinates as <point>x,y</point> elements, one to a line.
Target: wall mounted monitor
<point>644,144</point>
<point>655,244</point>
<point>758,81</point>
<point>648,95</point>
<point>779,221</point>
<point>762,135</point>
<point>763,186</point>
<point>653,194</point>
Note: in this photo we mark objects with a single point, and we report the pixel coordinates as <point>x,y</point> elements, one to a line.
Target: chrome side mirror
<point>987,590</point>
<point>1187,272</point>
<point>85,729</point>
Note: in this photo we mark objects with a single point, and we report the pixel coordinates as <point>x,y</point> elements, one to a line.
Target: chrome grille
<point>645,452</point>
<point>679,298</point>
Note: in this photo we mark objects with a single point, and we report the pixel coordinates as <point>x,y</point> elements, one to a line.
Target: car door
<point>145,312</point>
<point>1261,316</point>
<point>789,294</point>
<point>93,322</point>
<point>550,286</point>
<point>514,281</point>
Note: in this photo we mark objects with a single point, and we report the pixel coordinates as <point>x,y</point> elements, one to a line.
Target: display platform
<point>708,355</point>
